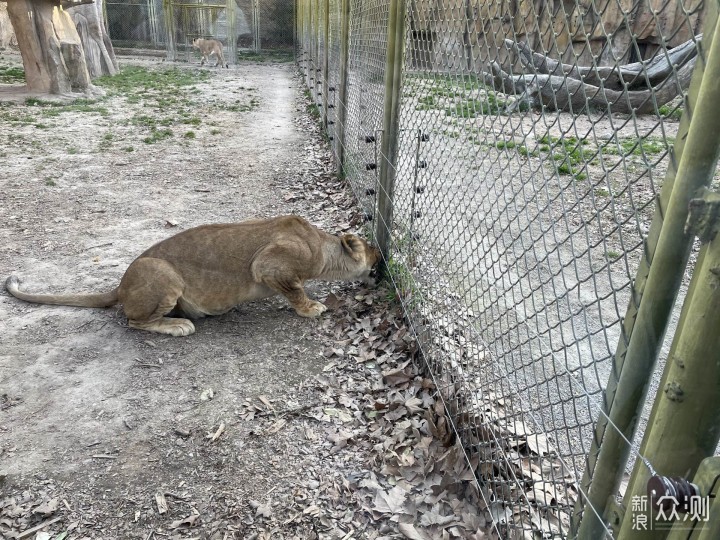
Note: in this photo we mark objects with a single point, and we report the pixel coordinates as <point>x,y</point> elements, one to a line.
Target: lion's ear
<point>353,246</point>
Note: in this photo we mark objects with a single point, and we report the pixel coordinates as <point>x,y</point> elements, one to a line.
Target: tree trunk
<point>99,52</point>
<point>50,46</point>
<point>7,36</point>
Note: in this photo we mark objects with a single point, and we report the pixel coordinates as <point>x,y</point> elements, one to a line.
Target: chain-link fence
<point>254,25</point>
<point>519,163</point>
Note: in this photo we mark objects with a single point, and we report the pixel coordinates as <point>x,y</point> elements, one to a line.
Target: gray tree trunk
<point>50,46</point>
<point>99,52</point>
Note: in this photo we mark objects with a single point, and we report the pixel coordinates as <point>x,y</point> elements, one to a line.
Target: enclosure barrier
<point>171,25</point>
<point>538,176</point>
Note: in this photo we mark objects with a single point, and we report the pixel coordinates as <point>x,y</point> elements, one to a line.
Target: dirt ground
<point>260,425</point>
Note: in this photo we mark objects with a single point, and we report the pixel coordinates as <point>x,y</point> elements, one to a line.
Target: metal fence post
<point>343,84</point>
<point>326,64</point>
<point>232,31</point>
<point>658,286</point>
<point>391,125</point>
<point>684,426</point>
<point>169,13</point>
<point>256,27</point>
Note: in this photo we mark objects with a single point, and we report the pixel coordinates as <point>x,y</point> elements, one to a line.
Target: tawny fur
<point>208,47</point>
<point>210,269</point>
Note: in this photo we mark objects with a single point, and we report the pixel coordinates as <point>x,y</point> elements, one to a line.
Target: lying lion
<point>210,269</point>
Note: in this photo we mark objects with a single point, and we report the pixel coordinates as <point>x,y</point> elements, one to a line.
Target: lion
<point>208,47</point>
<point>208,270</point>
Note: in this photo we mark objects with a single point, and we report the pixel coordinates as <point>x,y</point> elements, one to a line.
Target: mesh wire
<point>533,141</point>
<point>259,24</point>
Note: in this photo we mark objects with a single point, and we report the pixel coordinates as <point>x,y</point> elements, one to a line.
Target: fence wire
<point>256,25</point>
<point>533,142</point>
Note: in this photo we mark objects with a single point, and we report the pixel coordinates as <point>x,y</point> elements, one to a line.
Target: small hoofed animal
<point>210,269</point>
<point>209,47</point>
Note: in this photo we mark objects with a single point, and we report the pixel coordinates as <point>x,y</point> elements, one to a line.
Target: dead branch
<point>569,94</point>
<point>636,75</point>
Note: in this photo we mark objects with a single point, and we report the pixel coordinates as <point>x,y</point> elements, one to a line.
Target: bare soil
<point>262,424</point>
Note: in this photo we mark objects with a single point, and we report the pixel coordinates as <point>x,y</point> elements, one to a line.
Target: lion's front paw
<point>313,309</point>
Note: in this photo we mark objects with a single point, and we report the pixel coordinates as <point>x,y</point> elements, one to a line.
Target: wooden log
<point>567,94</point>
<point>636,75</point>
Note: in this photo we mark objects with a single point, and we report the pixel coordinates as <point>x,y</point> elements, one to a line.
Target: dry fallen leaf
<point>187,522</point>
<point>162,505</point>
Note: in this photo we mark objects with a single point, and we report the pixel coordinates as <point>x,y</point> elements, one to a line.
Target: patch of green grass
<point>215,132</point>
<point>50,182</point>
<point>505,144</point>
<point>72,150</point>
<point>157,135</point>
<point>602,192</point>
<point>190,135</point>
<point>570,152</point>
<point>426,103</point>
<point>55,108</point>
<point>637,146</point>
<point>134,79</point>
<point>675,113</point>
<point>129,149</point>
<point>193,120</point>
<point>612,254</point>
<point>401,283</point>
<point>267,56</point>
<point>12,74</point>
<point>474,107</point>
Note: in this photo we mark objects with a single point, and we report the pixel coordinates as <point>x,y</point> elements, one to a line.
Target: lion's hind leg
<point>149,290</point>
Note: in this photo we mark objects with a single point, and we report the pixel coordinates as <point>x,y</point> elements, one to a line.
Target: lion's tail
<point>80,300</point>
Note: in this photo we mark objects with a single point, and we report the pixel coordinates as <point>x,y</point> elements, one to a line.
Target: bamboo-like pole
<point>343,84</point>
<point>657,284</point>
<point>391,125</point>
<point>684,425</point>
<point>326,64</point>
<point>232,32</point>
<point>169,13</point>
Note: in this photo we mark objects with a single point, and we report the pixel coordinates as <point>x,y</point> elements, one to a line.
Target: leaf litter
<point>372,451</point>
<point>371,457</point>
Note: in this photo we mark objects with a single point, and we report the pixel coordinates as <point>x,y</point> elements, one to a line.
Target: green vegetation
<point>51,109</point>
<point>311,107</point>
<point>637,146</point>
<point>190,135</point>
<point>612,254</point>
<point>12,75</point>
<point>267,56</point>
<point>673,113</point>
<point>472,107</point>
<point>138,80</point>
<point>157,135</point>
<point>571,153</point>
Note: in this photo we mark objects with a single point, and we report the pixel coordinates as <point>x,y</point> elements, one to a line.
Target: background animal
<point>208,47</point>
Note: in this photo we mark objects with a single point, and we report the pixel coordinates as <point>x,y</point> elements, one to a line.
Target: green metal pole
<point>232,32</point>
<point>326,64</point>
<point>343,85</point>
<point>170,29</point>
<point>658,280</point>
<point>391,125</point>
<point>684,425</point>
<point>707,526</point>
